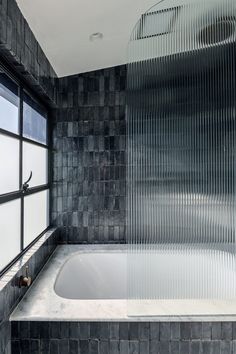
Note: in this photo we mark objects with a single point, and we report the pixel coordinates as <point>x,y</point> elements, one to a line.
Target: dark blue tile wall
<point>89,157</point>
<point>10,293</point>
<point>124,337</point>
<point>19,47</point>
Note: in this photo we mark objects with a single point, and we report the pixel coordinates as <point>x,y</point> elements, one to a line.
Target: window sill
<point>24,259</point>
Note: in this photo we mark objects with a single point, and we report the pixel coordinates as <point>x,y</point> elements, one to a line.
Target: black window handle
<point>25,186</point>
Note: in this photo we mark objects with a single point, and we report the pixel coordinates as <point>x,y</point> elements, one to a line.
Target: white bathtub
<point>163,273</point>
<point>93,276</point>
<point>89,283</point>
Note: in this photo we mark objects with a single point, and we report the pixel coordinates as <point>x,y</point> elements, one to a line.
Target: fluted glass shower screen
<point>181,159</point>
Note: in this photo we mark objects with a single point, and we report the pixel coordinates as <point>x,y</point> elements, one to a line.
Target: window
<point>35,159</point>
<point>24,209</point>
<point>10,231</point>
<point>9,104</point>
<point>35,122</point>
<point>34,221</point>
<point>9,162</point>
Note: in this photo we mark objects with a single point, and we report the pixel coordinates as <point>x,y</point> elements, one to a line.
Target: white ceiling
<point>63,27</point>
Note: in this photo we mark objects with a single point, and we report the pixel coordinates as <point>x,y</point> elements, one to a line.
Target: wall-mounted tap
<point>25,280</point>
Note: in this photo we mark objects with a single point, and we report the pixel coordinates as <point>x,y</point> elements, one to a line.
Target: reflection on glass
<point>9,103</point>
<point>9,164</point>
<point>181,157</point>
<point>10,232</point>
<point>34,120</point>
<point>36,215</point>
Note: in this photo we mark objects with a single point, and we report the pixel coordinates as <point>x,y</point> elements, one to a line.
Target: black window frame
<point>19,194</point>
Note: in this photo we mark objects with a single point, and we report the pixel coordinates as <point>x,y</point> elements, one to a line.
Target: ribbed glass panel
<point>181,159</point>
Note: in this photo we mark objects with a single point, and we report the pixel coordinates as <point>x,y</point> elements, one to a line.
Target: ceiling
<point>63,28</point>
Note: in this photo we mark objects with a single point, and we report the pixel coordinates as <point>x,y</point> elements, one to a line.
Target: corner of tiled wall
<point>89,158</point>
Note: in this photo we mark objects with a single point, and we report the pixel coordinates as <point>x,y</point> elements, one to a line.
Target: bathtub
<point>98,275</point>
<point>89,283</point>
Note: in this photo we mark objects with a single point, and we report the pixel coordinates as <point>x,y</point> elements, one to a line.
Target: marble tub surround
<point>123,337</point>
<point>49,239</point>
<point>42,303</point>
<point>10,293</point>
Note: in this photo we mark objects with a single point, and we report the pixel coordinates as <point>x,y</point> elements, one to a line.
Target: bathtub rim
<point>38,302</point>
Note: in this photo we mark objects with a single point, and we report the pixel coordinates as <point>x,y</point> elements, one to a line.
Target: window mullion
<point>21,165</point>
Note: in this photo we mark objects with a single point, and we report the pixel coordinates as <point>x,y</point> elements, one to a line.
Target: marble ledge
<point>11,272</point>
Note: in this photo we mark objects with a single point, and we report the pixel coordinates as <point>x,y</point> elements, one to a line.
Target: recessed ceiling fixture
<point>96,36</point>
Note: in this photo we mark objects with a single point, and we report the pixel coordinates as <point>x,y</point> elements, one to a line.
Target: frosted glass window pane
<point>9,164</point>
<point>35,159</point>
<point>9,103</point>
<point>36,215</point>
<point>34,121</point>
<point>10,232</point>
